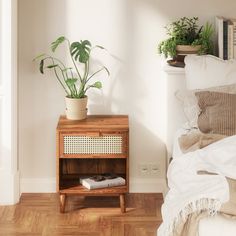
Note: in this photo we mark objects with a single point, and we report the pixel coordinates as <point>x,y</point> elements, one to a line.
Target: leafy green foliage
<point>205,40</point>
<point>97,85</point>
<point>186,31</point>
<point>71,82</point>
<point>52,66</point>
<point>74,84</point>
<point>81,50</point>
<point>41,65</point>
<point>39,56</point>
<point>168,47</point>
<point>56,43</point>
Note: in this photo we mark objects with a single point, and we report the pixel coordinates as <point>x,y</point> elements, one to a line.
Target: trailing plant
<point>186,31</point>
<point>76,80</point>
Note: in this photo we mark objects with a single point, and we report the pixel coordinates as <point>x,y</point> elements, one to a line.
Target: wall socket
<point>154,169</point>
<point>143,169</point>
<point>149,169</point>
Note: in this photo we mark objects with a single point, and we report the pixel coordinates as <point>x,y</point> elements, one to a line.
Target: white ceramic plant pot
<point>76,108</point>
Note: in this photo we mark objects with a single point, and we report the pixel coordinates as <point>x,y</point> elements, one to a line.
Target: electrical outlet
<point>143,169</point>
<point>154,169</point>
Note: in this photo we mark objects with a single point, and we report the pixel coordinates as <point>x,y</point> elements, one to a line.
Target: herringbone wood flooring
<point>38,214</point>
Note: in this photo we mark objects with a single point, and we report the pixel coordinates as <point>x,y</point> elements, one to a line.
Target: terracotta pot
<point>76,108</point>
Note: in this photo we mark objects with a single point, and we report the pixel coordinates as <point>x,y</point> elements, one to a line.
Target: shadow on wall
<point>40,96</point>
<point>41,99</point>
<point>130,91</point>
<point>121,95</point>
<point>126,96</point>
<point>145,148</point>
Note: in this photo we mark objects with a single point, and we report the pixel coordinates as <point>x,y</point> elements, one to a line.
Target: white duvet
<point>188,188</point>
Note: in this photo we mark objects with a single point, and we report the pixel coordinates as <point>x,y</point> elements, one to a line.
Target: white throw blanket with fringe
<point>189,191</point>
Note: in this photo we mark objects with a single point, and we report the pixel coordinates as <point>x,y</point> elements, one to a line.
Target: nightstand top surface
<point>116,122</point>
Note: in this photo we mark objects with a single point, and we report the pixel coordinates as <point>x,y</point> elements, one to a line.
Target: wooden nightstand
<point>96,145</point>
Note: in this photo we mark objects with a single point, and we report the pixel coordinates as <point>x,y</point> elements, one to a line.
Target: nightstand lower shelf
<point>81,190</point>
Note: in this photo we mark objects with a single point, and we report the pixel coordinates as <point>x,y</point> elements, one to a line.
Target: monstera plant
<point>76,80</point>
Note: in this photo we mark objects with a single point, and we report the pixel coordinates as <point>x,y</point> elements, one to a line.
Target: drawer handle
<point>93,134</point>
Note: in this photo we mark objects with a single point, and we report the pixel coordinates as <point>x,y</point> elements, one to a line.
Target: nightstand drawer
<point>93,144</point>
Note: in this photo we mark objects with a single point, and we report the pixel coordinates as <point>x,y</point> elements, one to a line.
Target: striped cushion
<point>190,103</point>
<point>218,112</point>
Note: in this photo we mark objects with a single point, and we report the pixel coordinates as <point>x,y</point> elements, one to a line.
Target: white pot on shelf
<point>76,108</point>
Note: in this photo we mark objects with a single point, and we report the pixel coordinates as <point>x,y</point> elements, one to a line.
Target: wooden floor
<point>38,214</point>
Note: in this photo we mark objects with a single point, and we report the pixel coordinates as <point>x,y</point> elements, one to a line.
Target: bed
<point>219,74</point>
<point>217,225</point>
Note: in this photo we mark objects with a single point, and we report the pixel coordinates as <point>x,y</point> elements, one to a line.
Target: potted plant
<point>75,80</point>
<point>186,37</point>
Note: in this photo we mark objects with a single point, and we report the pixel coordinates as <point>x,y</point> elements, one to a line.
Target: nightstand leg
<point>122,203</point>
<point>62,202</point>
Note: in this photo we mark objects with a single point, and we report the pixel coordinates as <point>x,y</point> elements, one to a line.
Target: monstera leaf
<point>97,85</point>
<point>56,43</point>
<point>52,66</point>
<point>71,82</point>
<point>74,80</point>
<point>80,50</point>
<point>41,66</point>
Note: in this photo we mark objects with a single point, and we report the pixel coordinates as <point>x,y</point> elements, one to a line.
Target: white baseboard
<point>142,185</point>
<point>9,183</point>
<point>38,185</point>
<point>48,185</point>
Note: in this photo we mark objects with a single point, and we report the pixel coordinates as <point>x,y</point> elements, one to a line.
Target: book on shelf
<point>234,38</point>
<point>226,37</point>
<point>230,42</point>
<point>90,183</point>
<point>219,32</point>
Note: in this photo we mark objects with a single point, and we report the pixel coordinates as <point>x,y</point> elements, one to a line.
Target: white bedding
<point>176,148</point>
<point>216,225</point>
<point>186,187</point>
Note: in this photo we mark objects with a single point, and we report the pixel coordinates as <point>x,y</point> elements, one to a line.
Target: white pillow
<point>208,71</point>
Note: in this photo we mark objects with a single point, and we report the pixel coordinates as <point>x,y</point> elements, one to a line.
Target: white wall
<point>9,173</point>
<point>129,29</point>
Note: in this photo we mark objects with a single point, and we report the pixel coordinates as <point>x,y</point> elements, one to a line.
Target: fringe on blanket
<point>212,206</point>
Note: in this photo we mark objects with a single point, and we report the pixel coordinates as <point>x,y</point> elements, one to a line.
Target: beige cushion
<point>195,140</point>
<point>218,112</point>
<point>190,103</point>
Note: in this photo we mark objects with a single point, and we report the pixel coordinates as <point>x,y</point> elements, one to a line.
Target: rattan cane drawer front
<point>104,145</point>
<point>92,145</point>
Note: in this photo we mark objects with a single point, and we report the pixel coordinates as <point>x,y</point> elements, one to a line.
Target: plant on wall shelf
<point>186,31</point>
<point>75,80</point>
